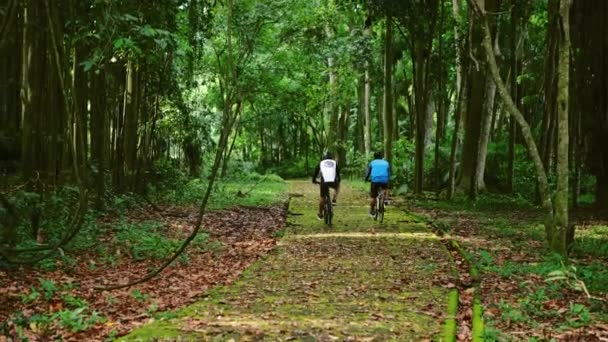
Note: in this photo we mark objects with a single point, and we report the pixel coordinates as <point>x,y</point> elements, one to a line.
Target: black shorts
<point>373,191</point>
<point>325,187</point>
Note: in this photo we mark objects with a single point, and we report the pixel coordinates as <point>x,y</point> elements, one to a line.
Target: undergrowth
<point>550,292</point>
<point>119,234</point>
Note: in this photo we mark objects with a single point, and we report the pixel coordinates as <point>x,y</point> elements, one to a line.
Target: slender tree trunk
<point>514,95</point>
<point>421,113</point>
<point>478,115</point>
<point>32,74</point>
<point>342,135</point>
<point>472,126</point>
<point>80,86</point>
<point>484,136</point>
<point>461,48</point>
<point>558,243</point>
<point>359,136</point>
<point>379,127</point>
<point>367,124</point>
<point>333,112</point>
<point>99,138</point>
<point>388,90</point>
<point>118,150</point>
<point>460,106</point>
<point>441,103</point>
<point>11,39</point>
<point>131,121</point>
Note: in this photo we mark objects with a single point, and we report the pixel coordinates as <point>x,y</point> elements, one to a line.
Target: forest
<point>156,156</point>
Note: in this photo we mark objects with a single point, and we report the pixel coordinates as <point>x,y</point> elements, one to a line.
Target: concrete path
<point>355,281</point>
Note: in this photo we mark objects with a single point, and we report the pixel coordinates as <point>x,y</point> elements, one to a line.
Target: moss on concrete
<point>450,325</point>
<point>357,278</point>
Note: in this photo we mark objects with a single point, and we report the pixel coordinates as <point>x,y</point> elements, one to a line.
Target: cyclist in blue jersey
<point>379,172</point>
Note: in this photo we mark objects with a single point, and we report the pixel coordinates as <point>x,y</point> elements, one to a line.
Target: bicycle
<point>379,214</point>
<point>328,211</point>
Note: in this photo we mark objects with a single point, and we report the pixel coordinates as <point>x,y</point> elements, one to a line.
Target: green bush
<point>144,240</point>
<point>403,163</point>
<point>294,168</point>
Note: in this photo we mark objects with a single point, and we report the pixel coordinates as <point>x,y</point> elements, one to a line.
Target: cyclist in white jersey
<point>330,178</point>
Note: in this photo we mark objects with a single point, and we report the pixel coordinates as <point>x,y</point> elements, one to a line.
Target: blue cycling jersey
<point>380,171</point>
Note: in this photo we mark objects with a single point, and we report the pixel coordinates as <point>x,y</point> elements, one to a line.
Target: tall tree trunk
<point>441,101</point>
<point>131,105</point>
<point>379,127</point>
<point>484,136</point>
<point>549,122</point>
<point>80,86</point>
<point>597,123</point>
<point>420,101</point>
<point>118,139</point>
<point>558,243</point>
<point>99,137</point>
<point>359,135</point>
<point>472,125</point>
<point>32,74</point>
<point>387,111</point>
<point>333,110</point>
<point>367,123</point>
<point>514,95</point>
<point>461,51</point>
<point>10,87</point>
<point>458,114</point>
<point>342,135</point>
<point>477,120</point>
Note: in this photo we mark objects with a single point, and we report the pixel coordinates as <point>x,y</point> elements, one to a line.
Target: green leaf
<point>88,64</point>
<point>162,43</point>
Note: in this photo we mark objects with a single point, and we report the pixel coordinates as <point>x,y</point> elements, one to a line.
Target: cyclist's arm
<point>369,172</point>
<point>338,178</point>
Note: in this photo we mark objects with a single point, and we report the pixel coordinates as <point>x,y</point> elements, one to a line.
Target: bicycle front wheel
<point>328,212</point>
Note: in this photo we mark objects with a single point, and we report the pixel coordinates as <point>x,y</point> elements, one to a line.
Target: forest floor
<point>355,281</point>
<point>260,271</point>
<point>527,294</point>
<point>58,301</point>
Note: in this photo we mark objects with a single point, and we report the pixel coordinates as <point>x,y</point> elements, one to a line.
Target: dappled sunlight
<point>380,235</point>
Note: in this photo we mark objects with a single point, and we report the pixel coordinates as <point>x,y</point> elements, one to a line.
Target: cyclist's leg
<point>324,189</point>
<point>373,193</point>
<point>384,189</point>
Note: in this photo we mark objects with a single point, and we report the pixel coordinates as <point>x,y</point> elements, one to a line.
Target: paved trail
<point>356,281</point>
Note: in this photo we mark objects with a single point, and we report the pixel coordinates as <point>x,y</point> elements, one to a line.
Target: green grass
<point>592,241</point>
<point>252,190</point>
<point>486,202</point>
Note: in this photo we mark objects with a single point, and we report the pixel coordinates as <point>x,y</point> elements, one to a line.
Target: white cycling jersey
<point>328,170</point>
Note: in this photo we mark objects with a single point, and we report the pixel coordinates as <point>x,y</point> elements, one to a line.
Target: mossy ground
<point>356,280</point>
